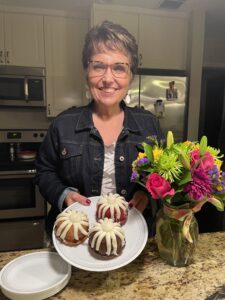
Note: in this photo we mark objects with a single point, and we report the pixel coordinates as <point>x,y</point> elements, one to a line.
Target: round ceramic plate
<point>136,234</point>
<point>34,276</point>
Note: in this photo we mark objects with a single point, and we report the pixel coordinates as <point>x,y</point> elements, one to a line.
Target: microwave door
<point>11,89</point>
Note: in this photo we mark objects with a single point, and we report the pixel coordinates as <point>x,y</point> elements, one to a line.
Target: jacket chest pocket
<point>71,163</point>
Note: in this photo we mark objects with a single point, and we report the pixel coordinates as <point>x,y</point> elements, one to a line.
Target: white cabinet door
<point>129,20</point>
<point>163,41</point>
<point>24,40</point>
<point>2,44</point>
<point>64,38</point>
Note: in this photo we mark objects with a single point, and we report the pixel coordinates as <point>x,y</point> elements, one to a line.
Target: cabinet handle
<point>1,57</point>
<point>140,59</point>
<point>49,110</point>
<point>7,57</point>
<point>26,92</point>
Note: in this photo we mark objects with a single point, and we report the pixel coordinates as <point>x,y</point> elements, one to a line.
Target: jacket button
<point>121,158</point>
<point>123,192</point>
<point>64,151</point>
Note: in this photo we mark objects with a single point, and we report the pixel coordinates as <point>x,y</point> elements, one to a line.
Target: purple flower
<point>142,161</point>
<point>134,176</point>
<point>200,186</point>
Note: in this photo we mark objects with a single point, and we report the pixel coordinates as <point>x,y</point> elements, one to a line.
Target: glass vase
<point>173,246</point>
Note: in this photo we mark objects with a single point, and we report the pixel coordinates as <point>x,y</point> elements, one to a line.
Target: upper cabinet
<point>2,47</point>
<point>22,39</point>
<point>163,41</point>
<point>64,39</point>
<point>161,36</point>
<point>127,19</point>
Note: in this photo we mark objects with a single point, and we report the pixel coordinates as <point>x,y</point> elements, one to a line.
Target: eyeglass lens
<point>99,68</point>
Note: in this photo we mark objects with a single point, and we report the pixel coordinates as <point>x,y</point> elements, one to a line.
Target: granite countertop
<point>148,277</point>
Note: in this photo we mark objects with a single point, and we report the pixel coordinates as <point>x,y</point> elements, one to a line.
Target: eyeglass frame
<point>110,66</point>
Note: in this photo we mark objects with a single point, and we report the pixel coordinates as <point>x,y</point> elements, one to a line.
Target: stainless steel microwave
<point>22,86</point>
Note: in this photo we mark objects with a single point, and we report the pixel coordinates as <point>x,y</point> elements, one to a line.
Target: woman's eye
<point>119,68</point>
<point>99,67</point>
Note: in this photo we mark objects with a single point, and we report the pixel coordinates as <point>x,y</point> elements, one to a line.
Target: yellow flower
<point>187,143</point>
<point>195,146</point>
<point>218,163</point>
<point>140,155</point>
<point>157,152</point>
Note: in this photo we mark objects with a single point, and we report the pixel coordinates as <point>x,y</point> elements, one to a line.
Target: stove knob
<point>35,135</point>
<point>42,135</point>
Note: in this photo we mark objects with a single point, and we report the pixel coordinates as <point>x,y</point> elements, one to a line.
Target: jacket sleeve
<point>47,164</point>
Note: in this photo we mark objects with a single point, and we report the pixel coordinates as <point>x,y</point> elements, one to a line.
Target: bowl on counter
<point>26,155</point>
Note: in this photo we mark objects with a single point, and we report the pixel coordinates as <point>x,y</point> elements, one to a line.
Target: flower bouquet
<point>183,176</point>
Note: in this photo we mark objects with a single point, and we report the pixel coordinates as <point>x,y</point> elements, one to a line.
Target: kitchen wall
<point>35,118</point>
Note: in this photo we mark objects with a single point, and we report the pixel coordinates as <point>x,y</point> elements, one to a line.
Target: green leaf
<point>203,145</point>
<point>148,151</point>
<point>217,203</point>
<point>170,139</point>
<point>184,160</point>
<point>186,178</point>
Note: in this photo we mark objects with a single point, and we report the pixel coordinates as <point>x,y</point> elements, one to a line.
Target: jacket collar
<point>85,120</point>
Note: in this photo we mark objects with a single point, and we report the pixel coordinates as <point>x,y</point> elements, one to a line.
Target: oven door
<point>19,195</point>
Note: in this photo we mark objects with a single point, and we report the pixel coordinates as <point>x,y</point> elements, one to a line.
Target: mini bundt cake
<point>112,206</point>
<point>71,227</point>
<point>107,238</point>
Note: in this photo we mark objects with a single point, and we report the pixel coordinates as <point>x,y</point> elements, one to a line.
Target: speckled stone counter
<point>148,277</point>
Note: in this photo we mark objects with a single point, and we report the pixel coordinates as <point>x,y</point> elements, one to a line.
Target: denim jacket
<point>72,154</point>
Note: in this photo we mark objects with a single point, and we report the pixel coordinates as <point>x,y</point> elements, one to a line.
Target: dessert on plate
<point>107,238</point>
<point>112,206</point>
<point>71,227</point>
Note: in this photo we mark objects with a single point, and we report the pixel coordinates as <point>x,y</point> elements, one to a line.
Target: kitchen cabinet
<point>163,41</point>
<point>161,36</point>
<point>22,40</point>
<point>127,19</point>
<point>64,38</point>
<point>2,58</point>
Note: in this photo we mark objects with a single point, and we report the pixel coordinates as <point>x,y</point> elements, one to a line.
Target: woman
<point>89,150</point>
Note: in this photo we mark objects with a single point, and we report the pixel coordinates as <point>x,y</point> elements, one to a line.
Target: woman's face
<point>109,77</point>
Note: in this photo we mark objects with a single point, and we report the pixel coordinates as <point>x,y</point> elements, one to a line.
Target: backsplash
<point>23,118</point>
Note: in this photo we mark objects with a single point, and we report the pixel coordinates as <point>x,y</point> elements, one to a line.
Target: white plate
<point>34,276</point>
<point>136,234</point>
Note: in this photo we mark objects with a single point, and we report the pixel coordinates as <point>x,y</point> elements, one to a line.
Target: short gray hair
<point>110,36</point>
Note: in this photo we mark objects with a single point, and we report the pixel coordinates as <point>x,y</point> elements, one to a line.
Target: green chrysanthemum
<point>169,166</point>
<point>182,147</point>
<point>214,152</point>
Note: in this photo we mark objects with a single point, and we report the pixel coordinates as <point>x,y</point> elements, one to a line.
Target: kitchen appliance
<point>22,86</point>
<point>22,208</point>
<point>164,93</point>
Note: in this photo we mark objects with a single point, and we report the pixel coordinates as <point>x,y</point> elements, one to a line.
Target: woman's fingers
<point>139,201</point>
<point>76,197</point>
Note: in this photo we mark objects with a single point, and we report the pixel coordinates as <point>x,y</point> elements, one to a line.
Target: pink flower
<point>207,162</point>
<point>195,156</point>
<point>158,187</point>
<point>200,186</point>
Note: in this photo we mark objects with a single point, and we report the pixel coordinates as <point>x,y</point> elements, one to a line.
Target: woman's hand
<point>140,201</point>
<point>72,197</point>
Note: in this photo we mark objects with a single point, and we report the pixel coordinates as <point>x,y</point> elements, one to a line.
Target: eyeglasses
<point>98,68</point>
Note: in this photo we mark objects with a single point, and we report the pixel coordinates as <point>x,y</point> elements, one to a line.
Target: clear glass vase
<point>173,246</point>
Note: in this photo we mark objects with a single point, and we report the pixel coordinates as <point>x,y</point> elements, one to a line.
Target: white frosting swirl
<point>114,202</point>
<point>109,230</point>
<point>77,219</point>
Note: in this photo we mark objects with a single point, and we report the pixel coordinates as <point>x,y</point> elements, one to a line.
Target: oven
<point>22,208</point>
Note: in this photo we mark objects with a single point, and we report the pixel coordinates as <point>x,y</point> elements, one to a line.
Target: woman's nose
<point>108,76</point>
